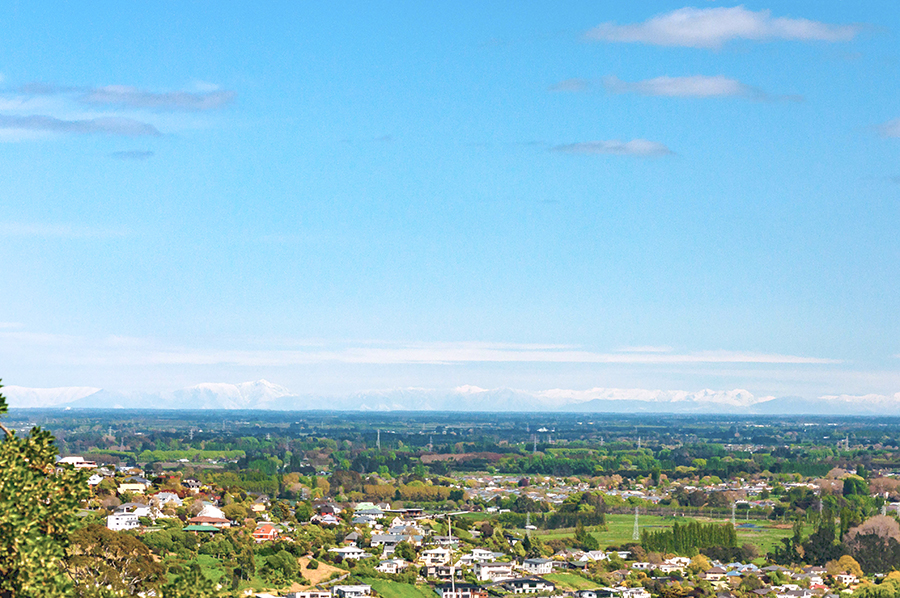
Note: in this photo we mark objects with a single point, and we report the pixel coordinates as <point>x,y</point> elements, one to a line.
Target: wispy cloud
<point>695,86</point>
<point>10,325</point>
<point>137,155</point>
<point>635,147</point>
<point>132,97</point>
<point>889,129</point>
<point>108,125</point>
<point>146,352</point>
<point>61,231</point>
<point>713,27</point>
<point>645,349</point>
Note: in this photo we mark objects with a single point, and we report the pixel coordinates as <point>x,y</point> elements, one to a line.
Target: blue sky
<point>381,195</point>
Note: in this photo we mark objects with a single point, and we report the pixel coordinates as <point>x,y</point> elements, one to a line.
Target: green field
<point>570,581</point>
<point>393,589</point>
<point>620,528</point>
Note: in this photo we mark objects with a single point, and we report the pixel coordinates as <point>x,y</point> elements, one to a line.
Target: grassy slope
<point>393,589</point>
<point>571,581</point>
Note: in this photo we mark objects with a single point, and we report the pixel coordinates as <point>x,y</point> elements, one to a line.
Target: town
<point>287,509</point>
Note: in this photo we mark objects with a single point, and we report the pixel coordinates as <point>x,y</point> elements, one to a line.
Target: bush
<point>313,564</point>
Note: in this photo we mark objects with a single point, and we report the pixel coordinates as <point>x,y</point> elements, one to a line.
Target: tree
<point>99,556</point>
<point>405,550</point>
<point>848,564</point>
<point>38,505</point>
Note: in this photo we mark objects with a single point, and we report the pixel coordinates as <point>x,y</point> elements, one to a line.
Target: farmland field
<point>620,528</point>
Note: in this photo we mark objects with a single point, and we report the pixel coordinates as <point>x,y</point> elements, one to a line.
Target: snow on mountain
<point>20,396</point>
<point>262,394</point>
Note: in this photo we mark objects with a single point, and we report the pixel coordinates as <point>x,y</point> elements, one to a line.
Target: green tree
<point>120,562</point>
<point>38,506</point>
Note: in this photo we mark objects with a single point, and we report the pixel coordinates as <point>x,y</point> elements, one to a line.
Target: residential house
<point>435,556</point>
<point>479,555</point>
<point>714,574</point>
<point>392,566</point>
<point>138,509</point>
<point>460,590</point>
<point>528,585</point>
<point>260,504</point>
<point>494,571</point>
<point>164,499</point>
<point>78,462</point>
<point>350,552</point>
<point>192,485</point>
<point>265,532</point>
<point>121,521</point>
<point>134,484</point>
<point>439,572</point>
<point>95,480</point>
<point>308,594</point>
<point>846,579</point>
<point>537,566</point>
<point>356,591</point>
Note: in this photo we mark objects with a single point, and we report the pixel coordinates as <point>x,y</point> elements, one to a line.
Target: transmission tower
<point>378,440</point>
<point>636,535</point>
<point>733,507</point>
<point>528,523</point>
<point>534,438</point>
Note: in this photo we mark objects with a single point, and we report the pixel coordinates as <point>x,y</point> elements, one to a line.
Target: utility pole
<point>452,567</point>
<point>636,535</point>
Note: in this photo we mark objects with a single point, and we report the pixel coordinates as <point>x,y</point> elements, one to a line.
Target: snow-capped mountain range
<point>262,394</point>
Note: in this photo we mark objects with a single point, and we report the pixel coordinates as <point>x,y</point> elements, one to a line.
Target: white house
<point>846,578</point>
<point>538,566</point>
<point>120,521</point>
<point>529,585</point>
<point>350,552</point>
<point>135,508</point>
<point>167,498</point>
<point>392,566</point>
<point>351,591</point>
<point>435,556</point>
<point>495,571</point>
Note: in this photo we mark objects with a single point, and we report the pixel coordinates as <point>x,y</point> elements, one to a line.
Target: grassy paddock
<point>620,528</point>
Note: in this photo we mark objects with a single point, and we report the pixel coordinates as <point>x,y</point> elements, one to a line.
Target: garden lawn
<point>394,589</point>
<point>571,581</point>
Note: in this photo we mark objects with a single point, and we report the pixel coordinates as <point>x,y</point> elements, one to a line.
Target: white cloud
<point>635,147</point>
<point>644,349</point>
<point>713,27</point>
<point>696,86</point>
